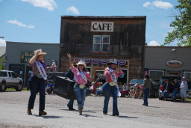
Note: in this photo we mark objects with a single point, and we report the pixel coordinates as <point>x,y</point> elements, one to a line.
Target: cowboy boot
<point>29,112</point>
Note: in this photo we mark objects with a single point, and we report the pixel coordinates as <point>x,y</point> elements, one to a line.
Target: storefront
<point>96,40</point>
<point>168,61</point>
<point>19,53</point>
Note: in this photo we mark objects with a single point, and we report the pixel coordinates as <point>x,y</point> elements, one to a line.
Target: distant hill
<point>2,50</point>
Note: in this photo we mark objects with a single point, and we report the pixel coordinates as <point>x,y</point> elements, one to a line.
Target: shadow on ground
<point>88,111</point>
<point>69,110</point>
<point>49,117</point>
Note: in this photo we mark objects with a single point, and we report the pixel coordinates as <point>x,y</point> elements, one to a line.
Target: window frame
<point>101,43</point>
<point>153,70</point>
<point>10,74</point>
<point>14,75</point>
<point>4,74</point>
<point>186,72</point>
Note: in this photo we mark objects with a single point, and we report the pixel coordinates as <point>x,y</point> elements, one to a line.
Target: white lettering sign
<point>102,27</point>
<point>174,63</point>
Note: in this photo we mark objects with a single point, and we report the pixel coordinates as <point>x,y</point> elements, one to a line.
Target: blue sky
<point>39,20</point>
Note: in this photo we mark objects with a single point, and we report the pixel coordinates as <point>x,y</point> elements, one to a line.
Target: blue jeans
<point>146,95</point>
<point>174,93</point>
<point>80,96</point>
<point>37,85</point>
<point>110,91</point>
<point>70,103</point>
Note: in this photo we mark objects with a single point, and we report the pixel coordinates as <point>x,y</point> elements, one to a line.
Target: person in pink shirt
<point>110,88</point>
<point>81,77</point>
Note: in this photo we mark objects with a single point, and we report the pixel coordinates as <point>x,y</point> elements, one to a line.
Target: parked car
<point>166,92</point>
<point>135,81</point>
<point>189,93</point>
<point>9,79</point>
<point>51,81</point>
<point>136,88</point>
<point>98,83</point>
<point>124,91</point>
<point>50,86</point>
<point>154,88</point>
<point>99,91</point>
<point>52,75</point>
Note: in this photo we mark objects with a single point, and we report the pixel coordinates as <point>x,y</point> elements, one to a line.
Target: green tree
<point>2,60</point>
<point>181,32</point>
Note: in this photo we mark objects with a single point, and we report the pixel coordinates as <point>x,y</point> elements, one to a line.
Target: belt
<point>81,85</point>
<point>112,83</point>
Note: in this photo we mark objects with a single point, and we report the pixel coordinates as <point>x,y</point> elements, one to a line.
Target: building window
<point>101,43</point>
<point>156,74</point>
<point>187,75</point>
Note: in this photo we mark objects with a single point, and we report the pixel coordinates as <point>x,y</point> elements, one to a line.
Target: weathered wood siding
<point>127,40</point>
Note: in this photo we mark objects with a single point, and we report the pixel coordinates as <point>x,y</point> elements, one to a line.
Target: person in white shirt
<point>183,88</point>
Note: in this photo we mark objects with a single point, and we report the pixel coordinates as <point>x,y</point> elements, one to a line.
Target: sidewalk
<point>14,116</point>
<point>160,114</point>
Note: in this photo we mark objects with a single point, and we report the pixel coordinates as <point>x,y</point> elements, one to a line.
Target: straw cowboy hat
<point>81,63</point>
<point>112,61</point>
<point>39,52</point>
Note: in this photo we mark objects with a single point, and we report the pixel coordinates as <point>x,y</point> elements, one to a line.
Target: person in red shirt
<point>110,88</point>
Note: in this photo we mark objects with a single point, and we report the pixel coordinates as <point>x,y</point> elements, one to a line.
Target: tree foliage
<point>181,25</point>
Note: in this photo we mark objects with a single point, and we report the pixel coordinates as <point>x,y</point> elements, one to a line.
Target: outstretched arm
<point>119,72</point>
<point>33,59</point>
<point>70,60</point>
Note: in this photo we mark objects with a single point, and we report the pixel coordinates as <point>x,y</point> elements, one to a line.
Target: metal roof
<point>9,42</point>
<point>104,17</point>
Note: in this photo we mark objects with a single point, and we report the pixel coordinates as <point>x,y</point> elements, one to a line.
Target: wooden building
<point>97,39</point>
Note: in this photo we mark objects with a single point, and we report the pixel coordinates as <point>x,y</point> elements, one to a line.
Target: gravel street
<point>165,114</point>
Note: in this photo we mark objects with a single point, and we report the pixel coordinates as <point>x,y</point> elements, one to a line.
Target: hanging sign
<point>174,63</point>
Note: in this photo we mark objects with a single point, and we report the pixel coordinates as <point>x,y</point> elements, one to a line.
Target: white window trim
<point>101,43</point>
<point>186,72</point>
<point>105,36</point>
<point>94,36</point>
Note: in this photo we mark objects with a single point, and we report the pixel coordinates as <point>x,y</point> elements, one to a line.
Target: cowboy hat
<point>39,52</point>
<point>112,61</point>
<point>81,63</point>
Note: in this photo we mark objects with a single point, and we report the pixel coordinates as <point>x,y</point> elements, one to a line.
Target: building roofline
<point>32,43</point>
<point>103,17</point>
<point>167,46</point>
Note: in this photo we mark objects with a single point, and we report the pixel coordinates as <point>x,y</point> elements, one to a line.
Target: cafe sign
<point>174,63</point>
<point>102,26</point>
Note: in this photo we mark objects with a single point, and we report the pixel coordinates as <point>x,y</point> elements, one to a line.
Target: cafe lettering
<point>102,26</point>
